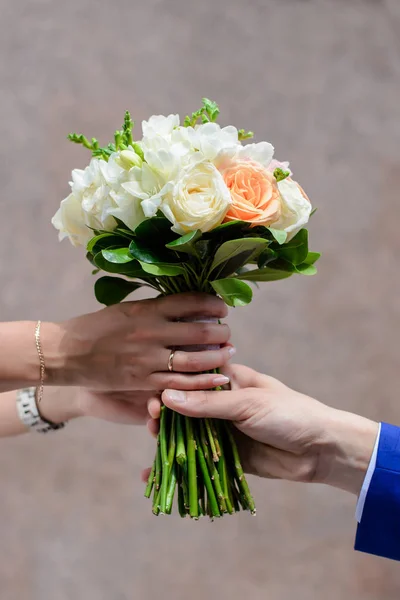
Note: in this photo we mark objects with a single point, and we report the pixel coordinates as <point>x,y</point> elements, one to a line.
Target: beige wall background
<point>321,80</point>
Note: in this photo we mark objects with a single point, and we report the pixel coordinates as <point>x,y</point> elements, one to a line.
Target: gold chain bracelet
<point>41,362</point>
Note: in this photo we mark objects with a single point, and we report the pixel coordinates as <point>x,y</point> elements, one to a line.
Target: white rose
<point>295,208</point>
<point>199,199</point>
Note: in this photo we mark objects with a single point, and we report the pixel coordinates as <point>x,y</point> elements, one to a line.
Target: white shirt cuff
<point>367,479</point>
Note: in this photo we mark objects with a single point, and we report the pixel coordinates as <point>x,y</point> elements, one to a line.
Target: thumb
<point>230,405</point>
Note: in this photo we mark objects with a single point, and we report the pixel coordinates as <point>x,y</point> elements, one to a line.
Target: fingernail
<point>221,380</point>
<point>176,396</point>
<point>232,351</point>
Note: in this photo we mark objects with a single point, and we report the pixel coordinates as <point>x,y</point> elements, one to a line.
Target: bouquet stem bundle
<point>199,458</point>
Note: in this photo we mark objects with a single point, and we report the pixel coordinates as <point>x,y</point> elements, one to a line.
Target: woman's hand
<point>127,347</point>
<point>65,404</point>
<point>283,434</point>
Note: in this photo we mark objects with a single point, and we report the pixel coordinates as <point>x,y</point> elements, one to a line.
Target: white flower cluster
<point>196,176</point>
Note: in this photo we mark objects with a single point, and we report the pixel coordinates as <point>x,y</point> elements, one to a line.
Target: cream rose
<point>199,199</point>
<point>295,208</point>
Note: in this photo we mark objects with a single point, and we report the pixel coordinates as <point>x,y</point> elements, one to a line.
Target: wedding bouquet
<point>188,208</point>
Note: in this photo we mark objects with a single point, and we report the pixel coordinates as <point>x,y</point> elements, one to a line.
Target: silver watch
<point>29,414</point>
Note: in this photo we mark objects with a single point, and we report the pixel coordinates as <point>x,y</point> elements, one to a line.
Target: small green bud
<point>138,149</point>
<point>245,135</point>
<point>129,159</point>
<point>280,174</point>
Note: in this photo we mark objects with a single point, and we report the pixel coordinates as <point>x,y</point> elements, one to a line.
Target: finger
<point>232,405</point>
<point>243,377</point>
<point>194,334</point>
<point>144,476</point>
<point>195,362</point>
<point>153,426</point>
<point>177,381</point>
<point>192,304</point>
<point>154,408</point>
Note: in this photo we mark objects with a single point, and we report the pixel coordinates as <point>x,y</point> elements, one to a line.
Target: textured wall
<point>321,79</point>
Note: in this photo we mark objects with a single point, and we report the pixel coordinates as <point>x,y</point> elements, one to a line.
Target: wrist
<point>55,358</point>
<point>60,405</point>
<point>346,450</point>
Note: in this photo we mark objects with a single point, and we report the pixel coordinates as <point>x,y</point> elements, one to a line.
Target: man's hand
<point>284,434</point>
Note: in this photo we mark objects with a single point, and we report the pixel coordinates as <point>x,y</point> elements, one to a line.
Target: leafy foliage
<point>218,261</point>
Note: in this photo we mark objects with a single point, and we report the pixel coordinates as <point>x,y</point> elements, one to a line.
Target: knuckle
<point>306,471</point>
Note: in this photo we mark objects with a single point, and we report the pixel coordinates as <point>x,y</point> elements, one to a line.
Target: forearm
<point>58,405</point>
<point>19,360</point>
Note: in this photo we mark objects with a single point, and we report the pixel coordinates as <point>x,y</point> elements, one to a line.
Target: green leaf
<point>148,254</point>
<point>162,269</point>
<point>265,274</point>
<point>306,269</point>
<point>105,240</point>
<point>236,253</point>
<point>280,236</point>
<point>185,243</point>
<point>296,250</point>
<point>313,212</point>
<point>312,258</point>
<point>155,231</point>
<point>118,255</point>
<point>112,290</point>
<point>228,225</point>
<point>233,291</point>
<point>205,248</point>
<point>266,256</point>
<point>132,268</point>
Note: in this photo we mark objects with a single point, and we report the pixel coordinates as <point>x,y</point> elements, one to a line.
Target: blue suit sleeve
<point>379,529</point>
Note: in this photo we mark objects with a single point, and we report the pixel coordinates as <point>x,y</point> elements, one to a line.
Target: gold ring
<point>171,360</point>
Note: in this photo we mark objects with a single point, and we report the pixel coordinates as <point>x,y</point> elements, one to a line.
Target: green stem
<point>244,488</point>
<point>156,494</point>
<point>236,499</point>
<point>211,497</point>
<point>171,490</point>
<point>181,499</point>
<point>180,442</point>
<point>164,460</point>
<point>185,488</point>
<point>150,480</point>
<point>211,440</point>
<point>224,483</point>
<point>216,437</point>
<point>192,471</point>
<point>172,442</point>
<point>212,467</point>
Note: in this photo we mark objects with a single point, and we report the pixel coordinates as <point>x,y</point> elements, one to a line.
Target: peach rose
<point>254,192</point>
